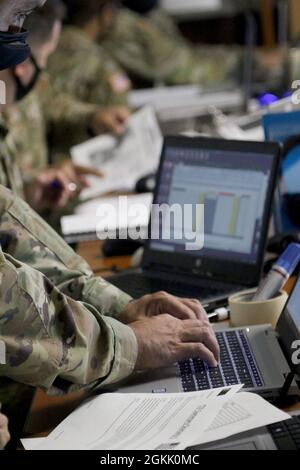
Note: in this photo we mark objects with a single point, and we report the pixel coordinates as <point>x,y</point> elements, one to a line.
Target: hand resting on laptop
<point>169,330</point>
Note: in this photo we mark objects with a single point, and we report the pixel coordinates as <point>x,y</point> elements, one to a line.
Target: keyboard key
<point>285,443</point>
<point>286,435</point>
<point>237,365</point>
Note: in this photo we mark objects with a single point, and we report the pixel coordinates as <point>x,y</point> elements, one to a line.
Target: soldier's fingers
<point>196,350</point>
<point>204,336</point>
<point>162,302</point>
<point>114,124</point>
<point>64,183</point>
<point>83,183</point>
<point>122,114</point>
<point>83,170</point>
<point>197,308</point>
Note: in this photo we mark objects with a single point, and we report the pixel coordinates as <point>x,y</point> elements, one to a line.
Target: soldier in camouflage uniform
<point>46,112</point>
<point>150,47</point>
<point>60,322</point>
<point>29,119</point>
<point>100,81</point>
<point>80,66</point>
<point>62,327</point>
<point>69,122</point>
<point>32,185</point>
<point>151,50</point>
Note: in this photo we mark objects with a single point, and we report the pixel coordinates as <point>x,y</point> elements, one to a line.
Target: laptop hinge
<point>287,387</point>
<point>190,273</point>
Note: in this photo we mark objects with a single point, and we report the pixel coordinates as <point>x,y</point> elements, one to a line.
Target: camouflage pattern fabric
<point>145,50</point>
<point>10,174</point>
<point>58,321</point>
<point>41,112</point>
<point>27,128</point>
<point>84,70</point>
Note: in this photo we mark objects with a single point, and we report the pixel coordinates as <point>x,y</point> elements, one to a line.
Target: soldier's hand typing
<point>164,340</point>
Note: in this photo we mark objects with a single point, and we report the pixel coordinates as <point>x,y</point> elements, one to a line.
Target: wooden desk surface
<point>47,412</point>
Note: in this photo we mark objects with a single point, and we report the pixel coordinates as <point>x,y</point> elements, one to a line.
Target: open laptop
<point>257,357</point>
<point>279,436</point>
<point>235,181</point>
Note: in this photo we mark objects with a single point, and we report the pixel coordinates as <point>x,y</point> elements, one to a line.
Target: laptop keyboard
<point>286,435</point>
<point>138,285</point>
<point>237,366</point>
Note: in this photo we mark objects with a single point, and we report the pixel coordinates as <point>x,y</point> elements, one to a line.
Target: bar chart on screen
<point>231,201</point>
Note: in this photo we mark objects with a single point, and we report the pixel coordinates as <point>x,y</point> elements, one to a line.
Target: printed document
<point>139,421</point>
<point>244,412</point>
<point>123,160</point>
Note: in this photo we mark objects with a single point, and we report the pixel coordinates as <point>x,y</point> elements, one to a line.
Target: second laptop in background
<point>235,181</point>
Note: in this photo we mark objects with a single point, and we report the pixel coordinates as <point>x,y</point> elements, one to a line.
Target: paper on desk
<point>107,215</point>
<point>123,161</point>
<point>139,421</point>
<point>32,443</point>
<point>244,412</point>
<point>228,129</point>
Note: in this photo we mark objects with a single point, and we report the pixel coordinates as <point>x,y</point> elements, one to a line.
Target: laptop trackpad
<point>164,380</point>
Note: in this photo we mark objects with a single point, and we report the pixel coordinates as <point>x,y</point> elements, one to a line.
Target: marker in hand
<point>56,185</point>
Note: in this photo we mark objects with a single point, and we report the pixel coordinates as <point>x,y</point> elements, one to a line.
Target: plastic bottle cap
<point>290,258</point>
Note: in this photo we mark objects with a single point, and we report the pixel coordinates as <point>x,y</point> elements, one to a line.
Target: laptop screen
<point>233,187</point>
<point>289,325</point>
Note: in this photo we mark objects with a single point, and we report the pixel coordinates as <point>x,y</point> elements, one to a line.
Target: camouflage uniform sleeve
<point>63,109</point>
<point>25,236</point>
<point>55,342</point>
<point>26,124</point>
<point>99,82</point>
<point>10,173</point>
<point>146,51</point>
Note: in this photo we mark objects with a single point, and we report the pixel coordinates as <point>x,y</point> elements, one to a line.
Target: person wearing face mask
<point>13,50</point>
<point>28,120</point>
<point>65,329</point>
<point>19,81</point>
<point>100,81</point>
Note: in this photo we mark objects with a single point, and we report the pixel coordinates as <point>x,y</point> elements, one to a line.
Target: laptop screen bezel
<point>288,331</point>
<point>240,273</point>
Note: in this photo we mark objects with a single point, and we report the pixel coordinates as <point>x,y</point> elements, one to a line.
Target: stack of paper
<point>106,217</point>
<point>160,422</point>
<point>123,161</point>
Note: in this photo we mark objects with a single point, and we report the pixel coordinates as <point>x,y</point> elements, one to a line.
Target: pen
<point>56,185</point>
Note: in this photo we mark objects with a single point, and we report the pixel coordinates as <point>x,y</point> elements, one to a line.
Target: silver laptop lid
<point>234,181</point>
